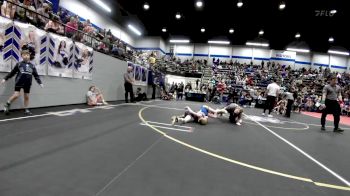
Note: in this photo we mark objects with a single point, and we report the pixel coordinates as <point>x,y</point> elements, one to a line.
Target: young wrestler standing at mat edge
<point>331,95</point>
<point>24,70</point>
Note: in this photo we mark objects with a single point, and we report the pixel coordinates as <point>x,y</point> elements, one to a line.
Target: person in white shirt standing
<point>272,93</point>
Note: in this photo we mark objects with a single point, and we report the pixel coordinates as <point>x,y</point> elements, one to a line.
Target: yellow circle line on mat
<point>320,184</point>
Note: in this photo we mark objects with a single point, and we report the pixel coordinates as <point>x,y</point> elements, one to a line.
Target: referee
<point>272,92</point>
<point>331,96</point>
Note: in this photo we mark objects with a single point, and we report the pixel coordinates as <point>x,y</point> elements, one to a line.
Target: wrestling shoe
<point>7,109</point>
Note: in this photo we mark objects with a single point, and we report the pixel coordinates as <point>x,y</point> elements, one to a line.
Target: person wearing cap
<point>25,70</point>
<point>331,95</point>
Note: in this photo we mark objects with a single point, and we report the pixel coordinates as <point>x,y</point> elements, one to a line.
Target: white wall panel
<point>87,12</point>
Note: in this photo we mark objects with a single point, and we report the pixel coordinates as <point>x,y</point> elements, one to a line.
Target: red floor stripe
<point>343,119</point>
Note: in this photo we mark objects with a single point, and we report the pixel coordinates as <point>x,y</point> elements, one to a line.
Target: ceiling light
<point>199,4</point>
<point>178,16</point>
<point>297,35</point>
<point>146,6</point>
<point>331,39</point>
<point>257,44</point>
<point>133,29</point>
<point>202,30</point>
<point>218,42</point>
<point>179,41</point>
<point>103,5</point>
<point>231,31</point>
<point>333,11</point>
<point>298,50</point>
<point>282,6</point>
<point>164,30</point>
<point>261,32</point>
<point>239,4</point>
<point>338,52</point>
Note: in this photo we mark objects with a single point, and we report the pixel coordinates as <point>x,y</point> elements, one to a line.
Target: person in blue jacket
<point>25,71</point>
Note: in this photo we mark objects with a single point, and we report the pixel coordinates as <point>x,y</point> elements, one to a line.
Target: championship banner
<point>6,45</point>
<point>34,40</point>
<point>60,56</point>
<point>83,61</point>
<point>285,58</point>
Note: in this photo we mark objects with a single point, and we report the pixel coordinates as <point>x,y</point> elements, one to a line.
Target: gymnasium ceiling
<point>218,16</point>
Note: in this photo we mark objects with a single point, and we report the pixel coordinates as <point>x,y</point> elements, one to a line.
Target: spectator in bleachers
<point>64,17</point>
<point>71,27</point>
<point>8,9</point>
<point>24,15</point>
<point>53,26</point>
<point>44,15</point>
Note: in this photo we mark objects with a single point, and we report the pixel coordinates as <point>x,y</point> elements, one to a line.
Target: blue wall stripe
<point>241,57</point>
<point>159,49</point>
<point>7,54</point>
<point>303,62</point>
<point>183,54</point>
<point>43,40</point>
<point>261,58</point>
<point>220,56</point>
<point>205,55</point>
<point>320,65</point>
<point>282,59</point>
<point>9,30</point>
<point>52,43</point>
<point>42,50</point>
<point>8,42</point>
<point>51,52</point>
<point>15,43</point>
<point>17,33</point>
<point>42,60</point>
<point>15,55</point>
<point>338,67</point>
<point>51,62</point>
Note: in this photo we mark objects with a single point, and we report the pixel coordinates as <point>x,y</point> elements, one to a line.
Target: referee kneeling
<point>331,94</point>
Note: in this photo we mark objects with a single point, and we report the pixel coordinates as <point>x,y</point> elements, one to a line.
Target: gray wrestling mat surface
<point>131,149</point>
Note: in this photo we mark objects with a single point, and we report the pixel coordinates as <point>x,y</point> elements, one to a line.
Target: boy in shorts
<point>25,71</point>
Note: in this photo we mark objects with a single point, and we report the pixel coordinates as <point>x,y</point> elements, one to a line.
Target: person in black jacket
<point>25,70</point>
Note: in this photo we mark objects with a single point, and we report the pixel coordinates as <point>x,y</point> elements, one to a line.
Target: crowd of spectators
<point>245,84</point>
<point>39,13</point>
